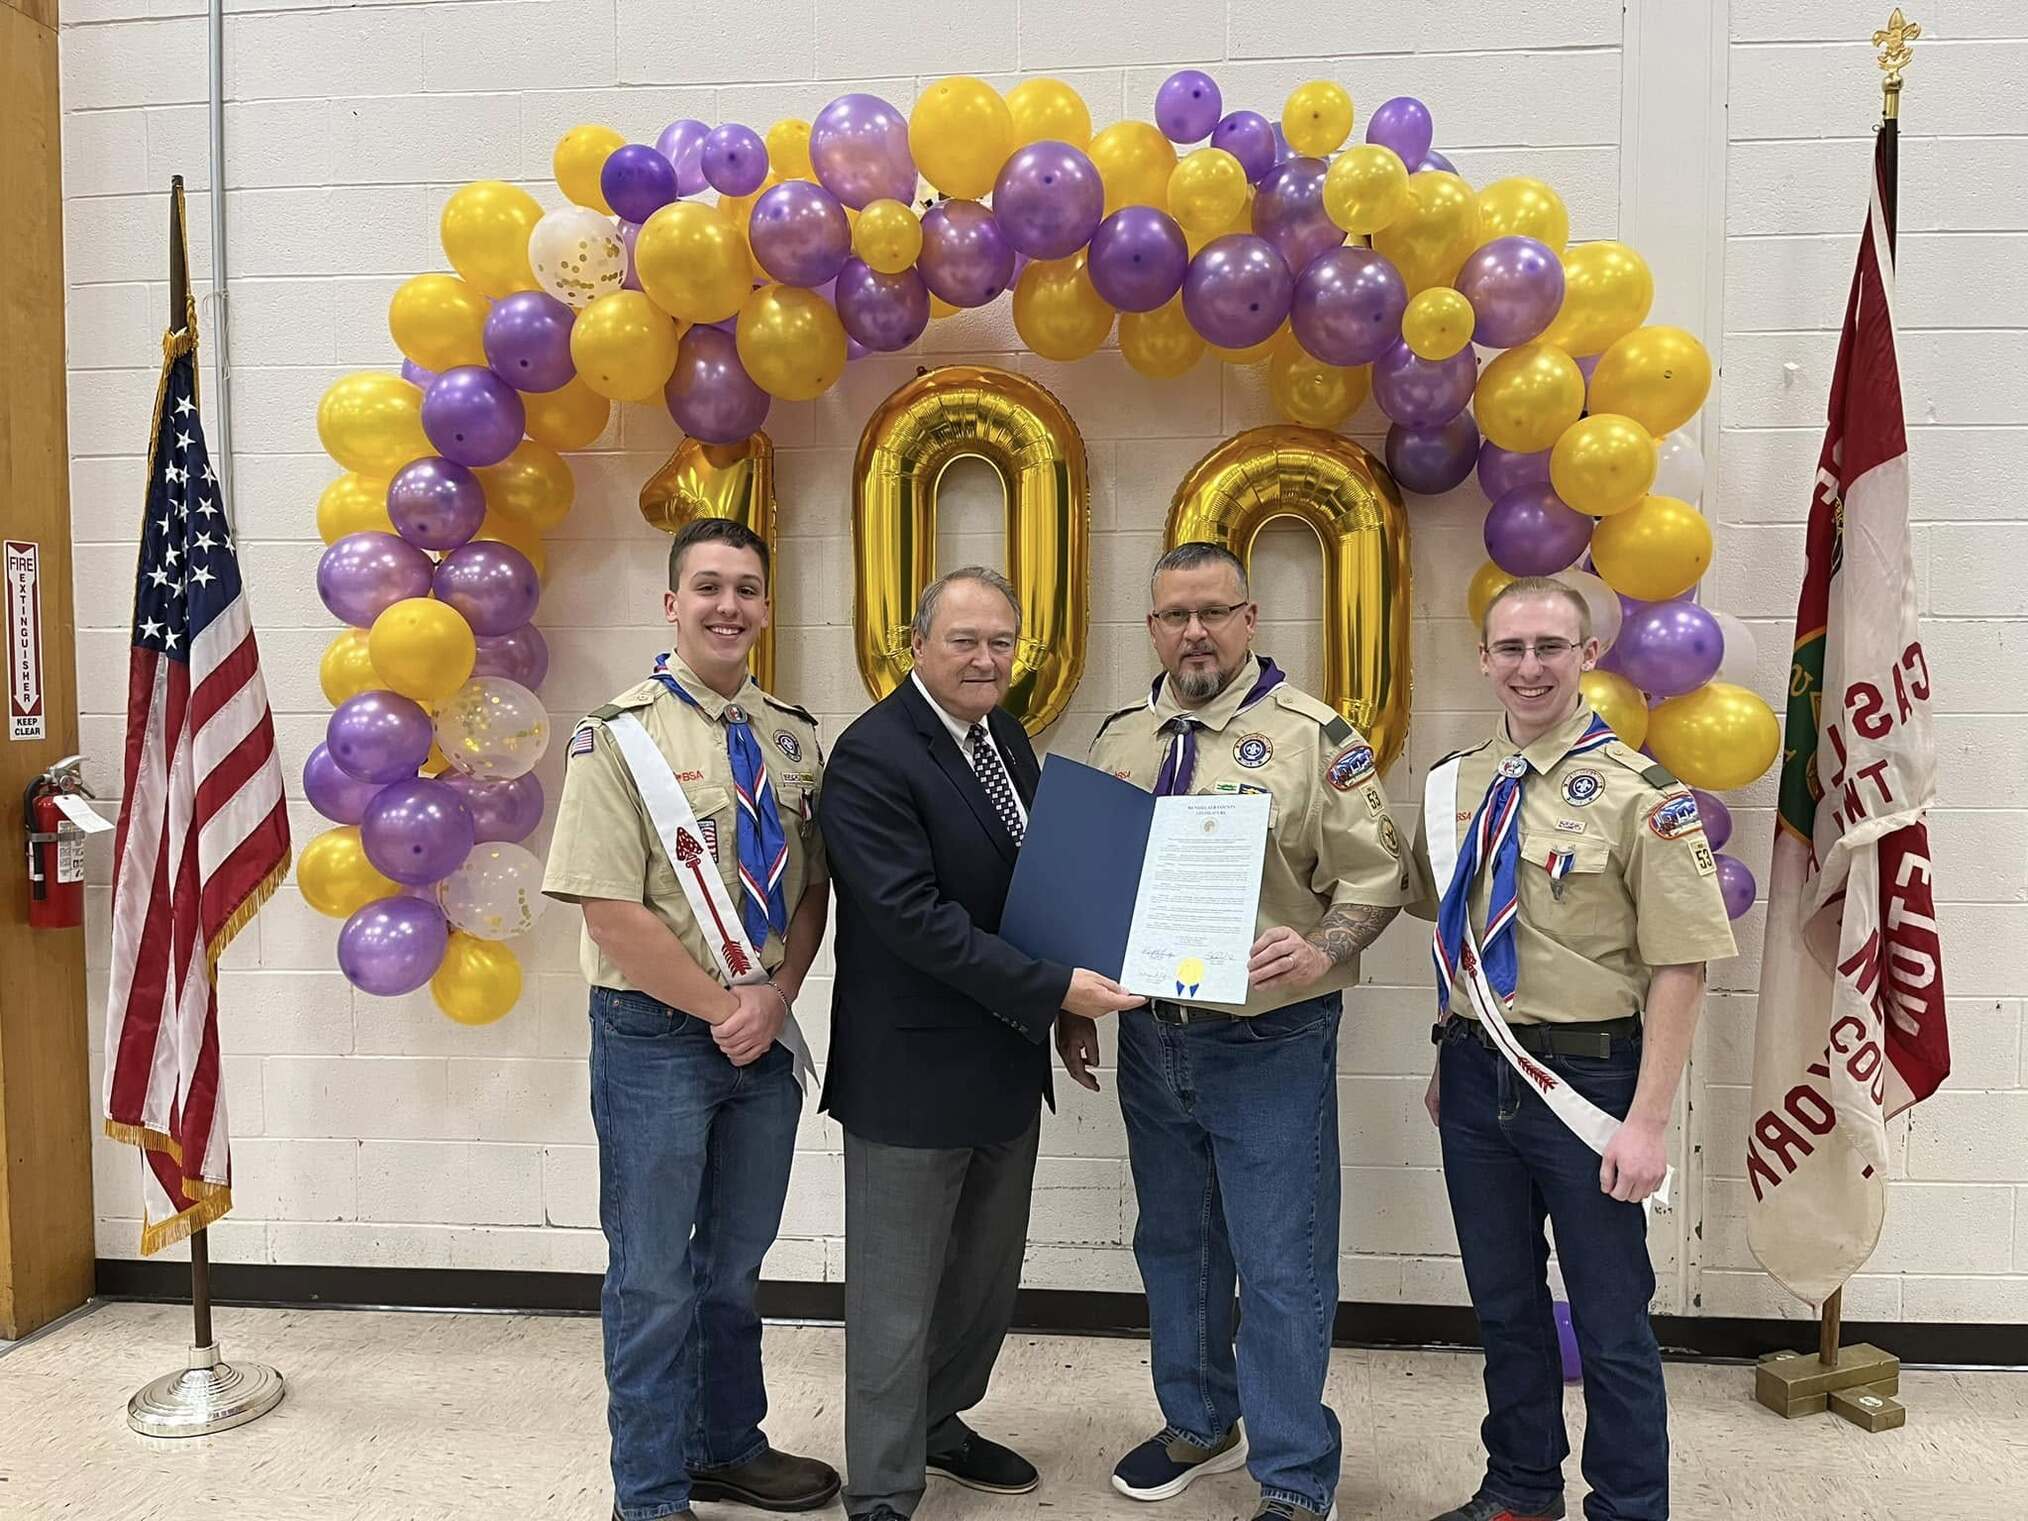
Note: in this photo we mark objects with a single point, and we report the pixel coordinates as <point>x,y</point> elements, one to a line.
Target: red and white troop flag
<point>1851,1024</point>
<point>204,832</point>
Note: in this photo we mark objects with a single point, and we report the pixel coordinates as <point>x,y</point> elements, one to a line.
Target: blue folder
<point>1079,870</point>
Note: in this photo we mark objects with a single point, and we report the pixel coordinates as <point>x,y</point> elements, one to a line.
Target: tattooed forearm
<point>1348,929</point>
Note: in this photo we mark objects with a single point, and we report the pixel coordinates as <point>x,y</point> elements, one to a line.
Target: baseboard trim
<point>1085,1312</point>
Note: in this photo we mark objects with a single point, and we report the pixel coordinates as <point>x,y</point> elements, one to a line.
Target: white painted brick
<point>1994,1300</point>
<point>1077,1202</point>
<point>545,45</point>
<point>1382,1122</point>
<point>1970,1137</point>
<point>774,39</point>
<point>547,1251</point>
<point>1056,34</point>
<point>132,63</point>
<point>104,153</point>
<point>1799,91</point>
<point>348,230</point>
<point>1967,569</point>
<point>376,51</point>
<point>534,1101</point>
<point>1396,1209</point>
<point>284,1013</point>
<point>451,1182</point>
<point>425,137</point>
<point>228,1240</point>
<point>1259,30</point>
<point>295,1179</point>
<point>1867,1297</point>
<point>795,1260</point>
<point>1105,1270</point>
<point>934,41</point>
<point>355,1096</point>
<point>547,112</point>
<point>570,1185</point>
<point>816,1203</point>
<point>361,1244</point>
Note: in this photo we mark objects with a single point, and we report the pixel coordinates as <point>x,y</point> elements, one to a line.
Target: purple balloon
<point>436,504</point>
<point>1249,137</point>
<point>637,181</point>
<point>1423,393</point>
<point>1138,258</point>
<point>528,340</point>
<point>1669,648</point>
<point>1716,816</point>
<point>1437,161</point>
<point>393,945</point>
<point>1049,199</point>
<point>1237,291</point>
<point>339,797</point>
<point>417,376</point>
<point>630,234</point>
<point>799,233</point>
<point>1736,884</point>
<point>1501,470</point>
<point>1402,124</point>
<point>966,258</point>
<point>859,149</point>
<point>854,349</point>
<point>364,574</point>
<point>682,143</point>
<point>882,312</point>
<point>491,583</point>
<point>1531,532</point>
<point>1186,107</point>
<point>709,393</point>
<point>1289,212</point>
<point>1586,363</point>
<point>1347,307</point>
<point>1431,461</point>
<point>508,811</point>
<point>735,160</point>
<point>378,737</point>
<point>473,416</point>
<point>416,831</point>
<point>521,654</point>
<point>1515,285</point>
<point>1283,152</point>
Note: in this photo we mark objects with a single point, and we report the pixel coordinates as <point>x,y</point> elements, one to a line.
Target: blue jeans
<point>694,1160</point>
<point>1509,1163</point>
<point>1232,1128</point>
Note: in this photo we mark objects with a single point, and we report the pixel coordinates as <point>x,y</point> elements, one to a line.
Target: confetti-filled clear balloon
<point>493,728</point>
<point>577,256</point>
<point>496,894</point>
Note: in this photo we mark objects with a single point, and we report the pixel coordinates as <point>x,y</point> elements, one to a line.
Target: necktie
<point>1179,761</point>
<point>763,846</point>
<point>1494,840</point>
<point>993,777</point>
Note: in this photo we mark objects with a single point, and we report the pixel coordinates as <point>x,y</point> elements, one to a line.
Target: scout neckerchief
<point>1179,760</point>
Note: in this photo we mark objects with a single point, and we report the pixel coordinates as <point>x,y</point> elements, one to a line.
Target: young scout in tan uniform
<point>1596,876</point>
<point>1232,1113</point>
<point>695,1093</point>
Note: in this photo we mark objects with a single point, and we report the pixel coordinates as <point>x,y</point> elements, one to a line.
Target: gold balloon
<point>570,417</point>
<point>940,308</point>
<point>532,484</point>
<point>478,980</point>
<point>371,423</point>
<point>1717,737</point>
<point>624,346</point>
<point>1603,464</point>
<point>502,529</point>
<point>1438,322</point>
<point>1058,312</point>
<point>1207,190</point>
<point>580,158</point>
<point>353,503</point>
<point>1028,438</point>
<point>1521,207</point>
<point>788,142</point>
<point>1486,583</point>
<point>336,878</point>
<point>438,321</point>
<point>1429,240</point>
<point>1255,353</point>
<point>887,236</point>
<point>1607,291</point>
<point>347,667</point>
<point>1365,189</point>
<point>485,228</point>
<point>1658,376</point>
<point>1619,702</point>
<point>1048,110</point>
<point>693,261</point>
<point>791,342</point>
<point>959,134</point>
<point>731,481</point>
<point>1527,396</point>
<point>1135,161</point>
<point>1312,393</point>
<point>1317,118</point>
<point>422,648</point>
<point>1348,500</point>
<point>1657,549</point>
<point>1160,344</point>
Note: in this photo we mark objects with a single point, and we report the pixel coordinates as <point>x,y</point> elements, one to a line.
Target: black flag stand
<point>208,1394</point>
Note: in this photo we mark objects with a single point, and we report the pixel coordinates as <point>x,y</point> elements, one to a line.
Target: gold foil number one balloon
<point>731,481</point>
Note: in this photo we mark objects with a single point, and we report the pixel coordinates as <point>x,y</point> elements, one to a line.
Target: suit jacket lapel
<point>944,750</point>
<point>1021,763</point>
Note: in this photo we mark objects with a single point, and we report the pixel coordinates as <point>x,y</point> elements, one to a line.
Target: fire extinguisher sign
<point>25,717</point>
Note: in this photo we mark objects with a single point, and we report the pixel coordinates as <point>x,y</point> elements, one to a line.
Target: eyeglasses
<point>1510,651</point>
<point>1177,619</point>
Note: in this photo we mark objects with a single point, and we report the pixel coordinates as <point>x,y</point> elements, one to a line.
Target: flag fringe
<point>249,906</point>
<point>209,1201</point>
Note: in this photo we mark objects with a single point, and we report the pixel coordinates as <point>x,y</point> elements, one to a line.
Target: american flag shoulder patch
<point>580,742</point>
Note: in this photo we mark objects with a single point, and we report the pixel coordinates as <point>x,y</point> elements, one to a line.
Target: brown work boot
<point>773,1481</point>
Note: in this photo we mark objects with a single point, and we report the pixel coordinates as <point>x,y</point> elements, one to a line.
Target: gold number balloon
<point>1027,437</point>
<point>1349,501</point>
<point>731,481</point>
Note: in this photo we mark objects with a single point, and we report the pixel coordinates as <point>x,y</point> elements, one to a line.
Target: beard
<point>1202,686</point>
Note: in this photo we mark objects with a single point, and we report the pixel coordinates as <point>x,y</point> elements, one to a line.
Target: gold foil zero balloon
<point>731,481</point>
<point>1029,440</point>
<point>1349,501</point>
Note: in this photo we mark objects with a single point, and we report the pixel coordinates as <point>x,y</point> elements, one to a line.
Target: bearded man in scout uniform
<point>1232,1112</point>
<point>685,831</point>
<point>1578,904</point>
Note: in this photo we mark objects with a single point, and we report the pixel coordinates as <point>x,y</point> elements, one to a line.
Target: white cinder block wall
<point>376,1132</point>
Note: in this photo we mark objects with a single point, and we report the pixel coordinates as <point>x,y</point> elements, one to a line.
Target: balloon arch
<point>718,270</point>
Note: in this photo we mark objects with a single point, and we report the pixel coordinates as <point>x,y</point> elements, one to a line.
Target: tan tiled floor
<point>399,1417</point>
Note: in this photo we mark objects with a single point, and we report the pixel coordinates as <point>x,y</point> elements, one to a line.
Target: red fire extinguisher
<point>56,869</point>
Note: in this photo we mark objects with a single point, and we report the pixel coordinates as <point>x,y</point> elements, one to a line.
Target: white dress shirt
<point>962,733</point>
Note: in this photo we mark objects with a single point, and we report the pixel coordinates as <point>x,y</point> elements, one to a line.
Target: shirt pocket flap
<point>1586,856</point>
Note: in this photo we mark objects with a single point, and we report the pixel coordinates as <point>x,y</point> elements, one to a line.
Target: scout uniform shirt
<point>1330,839</point>
<point>1641,890</point>
<point>605,845</point>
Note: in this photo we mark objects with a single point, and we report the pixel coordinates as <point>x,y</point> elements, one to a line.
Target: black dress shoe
<point>776,1481</point>
<point>986,1466</point>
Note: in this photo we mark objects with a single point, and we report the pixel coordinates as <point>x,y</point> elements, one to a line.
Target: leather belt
<point>1583,1038</point>
<point>1165,1012</point>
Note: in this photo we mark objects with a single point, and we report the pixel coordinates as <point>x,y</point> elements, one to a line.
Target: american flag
<point>204,832</point>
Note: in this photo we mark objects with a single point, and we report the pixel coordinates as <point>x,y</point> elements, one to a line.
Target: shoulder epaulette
<point>1298,701</point>
<point>607,713</point>
<point>1117,713</point>
<point>1647,768</point>
<point>783,705</point>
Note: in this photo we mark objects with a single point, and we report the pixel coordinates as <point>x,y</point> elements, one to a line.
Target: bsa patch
<point>1390,838</point>
<point>690,776</point>
<point>1350,766</point>
<point>1253,751</point>
<point>788,744</point>
<point>1675,817</point>
<point>1581,788</point>
<point>580,742</point>
<point>1700,852</point>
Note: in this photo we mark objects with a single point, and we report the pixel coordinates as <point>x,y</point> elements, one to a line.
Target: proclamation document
<point>1193,924</point>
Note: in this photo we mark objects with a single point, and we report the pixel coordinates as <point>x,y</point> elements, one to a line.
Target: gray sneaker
<point>1168,1463</point>
<point>1288,1510</point>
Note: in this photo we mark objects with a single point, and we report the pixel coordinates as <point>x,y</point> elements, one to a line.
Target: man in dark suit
<point>939,1054</point>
